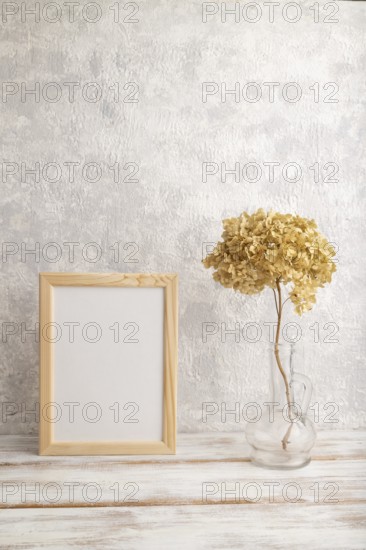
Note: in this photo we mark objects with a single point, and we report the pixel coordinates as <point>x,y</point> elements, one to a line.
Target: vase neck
<point>281,360</point>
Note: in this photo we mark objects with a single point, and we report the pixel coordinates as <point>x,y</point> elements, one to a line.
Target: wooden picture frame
<point>50,285</point>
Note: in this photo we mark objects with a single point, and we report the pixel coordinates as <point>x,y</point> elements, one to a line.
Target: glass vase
<point>284,435</point>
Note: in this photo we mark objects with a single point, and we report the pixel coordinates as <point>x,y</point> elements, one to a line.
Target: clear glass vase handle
<point>305,382</point>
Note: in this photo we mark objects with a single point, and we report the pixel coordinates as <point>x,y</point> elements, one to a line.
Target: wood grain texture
<point>231,527</point>
<point>215,459</point>
<point>158,502</point>
<point>179,484</point>
<point>109,279</point>
<point>204,447</point>
<point>170,363</point>
<point>168,281</point>
<point>46,371</point>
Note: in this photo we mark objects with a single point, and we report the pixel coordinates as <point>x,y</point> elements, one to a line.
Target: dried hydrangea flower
<point>265,248</point>
<point>272,249</point>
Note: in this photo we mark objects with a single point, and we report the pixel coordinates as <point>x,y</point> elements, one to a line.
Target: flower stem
<point>279,307</point>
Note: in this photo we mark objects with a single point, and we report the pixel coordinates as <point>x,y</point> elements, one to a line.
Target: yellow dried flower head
<point>265,248</point>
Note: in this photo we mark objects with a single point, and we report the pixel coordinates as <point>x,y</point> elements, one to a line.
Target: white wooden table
<point>207,496</point>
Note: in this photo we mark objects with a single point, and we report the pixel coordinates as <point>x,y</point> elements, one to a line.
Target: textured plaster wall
<point>170,211</point>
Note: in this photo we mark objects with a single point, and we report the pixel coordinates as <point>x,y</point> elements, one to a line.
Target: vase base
<point>279,460</point>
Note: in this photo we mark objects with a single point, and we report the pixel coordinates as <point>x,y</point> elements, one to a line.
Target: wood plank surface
<point>206,446</point>
<point>122,484</point>
<point>207,496</point>
<point>263,527</point>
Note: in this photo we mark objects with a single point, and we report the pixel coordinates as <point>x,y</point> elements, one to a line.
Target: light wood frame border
<point>168,281</point>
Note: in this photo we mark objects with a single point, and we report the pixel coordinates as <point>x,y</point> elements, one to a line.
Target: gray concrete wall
<point>158,126</point>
